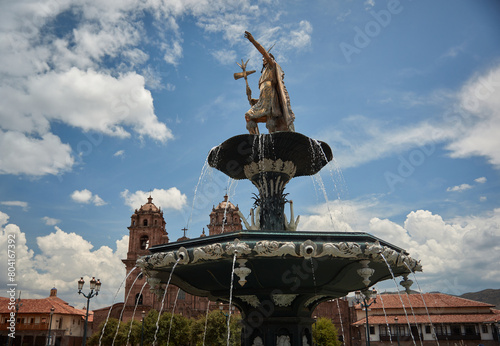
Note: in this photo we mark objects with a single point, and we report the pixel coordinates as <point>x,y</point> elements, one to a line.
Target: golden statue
<point>273,105</point>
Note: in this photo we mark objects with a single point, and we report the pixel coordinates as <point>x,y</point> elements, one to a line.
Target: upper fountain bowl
<point>306,155</point>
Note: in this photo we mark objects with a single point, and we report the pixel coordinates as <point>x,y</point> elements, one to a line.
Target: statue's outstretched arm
<point>259,47</point>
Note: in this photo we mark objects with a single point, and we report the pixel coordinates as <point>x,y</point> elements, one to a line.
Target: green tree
<point>216,331</point>
<point>110,332</point>
<point>325,333</point>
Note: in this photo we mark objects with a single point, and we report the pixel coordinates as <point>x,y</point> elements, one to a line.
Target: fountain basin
<point>284,276</point>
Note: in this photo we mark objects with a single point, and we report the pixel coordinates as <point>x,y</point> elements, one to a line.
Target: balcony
<point>459,336</point>
<point>26,326</point>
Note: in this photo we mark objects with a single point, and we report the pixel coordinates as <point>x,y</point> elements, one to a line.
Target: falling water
<point>124,305</point>
<point>172,315</point>
<point>399,294</point>
<point>341,324</point>
<point>230,298</point>
<point>423,300</point>
<point>229,183</point>
<point>114,298</point>
<point>386,320</point>
<point>163,301</point>
<point>206,321</point>
<point>204,170</point>
<point>133,314</point>
<point>319,180</point>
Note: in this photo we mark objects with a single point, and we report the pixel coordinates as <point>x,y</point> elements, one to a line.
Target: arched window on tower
<point>156,222</point>
<point>144,242</point>
<point>145,222</point>
<point>138,299</point>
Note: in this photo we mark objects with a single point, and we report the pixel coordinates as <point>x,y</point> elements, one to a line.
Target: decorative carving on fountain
<point>254,219</point>
<point>268,248</point>
<point>182,255</point>
<point>365,272</point>
<point>284,299</point>
<point>238,247</point>
<point>208,252</point>
<point>308,249</point>
<point>242,271</point>
<point>292,225</point>
<point>283,340</point>
<point>257,341</point>
<point>269,165</point>
<point>162,259</point>
<point>343,249</point>
<point>251,300</point>
<point>313,299</point>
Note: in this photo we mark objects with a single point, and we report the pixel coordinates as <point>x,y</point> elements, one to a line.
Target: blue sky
<point>102,102</point>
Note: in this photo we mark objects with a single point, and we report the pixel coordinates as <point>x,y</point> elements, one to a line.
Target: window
<point>427,329</point>
<point>156,222</point>
<point>144,242</point>
<point>470,329</point>
<point>181,295</point>
<point>484,328</point>
<point>138,299</point>
<point>456,330</point>
<point>372,330</point>
<point>145,222</point>
<point>383,331</point>
<point>441,329</point>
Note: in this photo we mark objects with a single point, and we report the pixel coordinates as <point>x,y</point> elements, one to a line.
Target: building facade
<point>426,319</point>
<point>41,322</point>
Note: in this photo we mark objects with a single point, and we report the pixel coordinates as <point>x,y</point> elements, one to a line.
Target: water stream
<point>230,299</point>
<point>203,172</point>
<point>423,300</point>
<point>172,316</point>
<point>163,301</point>
<point>111,307</point>
<point>401,299</point>
<point>206,322</point>
<point>386,320</point>
<point>341,324</point>
<point>123,309</point>
<point>133,314</point>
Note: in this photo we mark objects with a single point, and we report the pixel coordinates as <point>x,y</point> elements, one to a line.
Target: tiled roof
<point>431,300</point>
<point>41,306</point>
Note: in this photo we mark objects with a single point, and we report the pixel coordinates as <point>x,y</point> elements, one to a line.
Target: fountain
<point>282,273</point>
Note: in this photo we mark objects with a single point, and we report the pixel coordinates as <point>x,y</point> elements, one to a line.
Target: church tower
<point>147,228</point>
<point>224,218</point>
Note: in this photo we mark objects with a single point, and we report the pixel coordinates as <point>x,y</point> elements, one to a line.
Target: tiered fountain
<point>282,273</point>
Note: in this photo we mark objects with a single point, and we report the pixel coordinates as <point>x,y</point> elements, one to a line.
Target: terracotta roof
<point>452,318</point>
<point>41,306</point>
<point>431,300</point>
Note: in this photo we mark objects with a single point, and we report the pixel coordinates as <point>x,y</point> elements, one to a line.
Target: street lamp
<point>50,326</point>
<point>142,327</point>
<point>397,327</point>
<point>362,298</point>
<point>221,308</point>
<point>95,287</point>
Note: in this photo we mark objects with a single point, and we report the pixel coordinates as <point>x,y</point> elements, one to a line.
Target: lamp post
<point>49,341</point>
<point>221,308</point>
<point>362,298</point>
<point>397,328</point>
<point>142,327</point>
<point>95,287</point>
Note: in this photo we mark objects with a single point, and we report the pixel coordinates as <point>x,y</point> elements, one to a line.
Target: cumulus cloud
<point>61,260</point>
<point>119,153</point>
<point>86,196</point>
<point>459,188</point>
<point>167,199</point>
<point>480,180</point>
<point>455,253</point>
<point>50,221</point>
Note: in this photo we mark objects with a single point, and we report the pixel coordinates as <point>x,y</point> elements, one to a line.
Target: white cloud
<point>459,188</point>
<point>480,180</point>
<point>301,37</point>
<point>21,204</point>
<point>23,154</point>
<point>171,198</point>
<point>86,196</point>
<point>62,259</point>
<point>225,56</point>
<point>119,153</point>
<point>480,99</point>
<point>49,221</point>
<point>483,199</point>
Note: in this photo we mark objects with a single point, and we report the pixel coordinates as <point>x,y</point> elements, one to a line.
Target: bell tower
<point>224,218</point>
<point>147,228</point>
